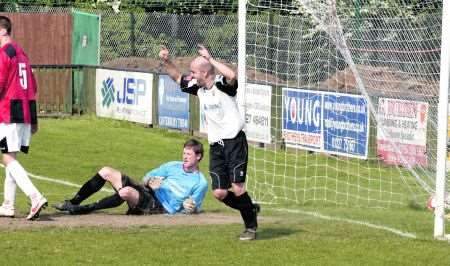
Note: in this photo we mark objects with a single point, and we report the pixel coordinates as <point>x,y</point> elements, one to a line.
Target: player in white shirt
<point>228,143</point>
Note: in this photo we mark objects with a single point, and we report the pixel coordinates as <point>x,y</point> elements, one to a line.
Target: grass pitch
<point>74,149</point>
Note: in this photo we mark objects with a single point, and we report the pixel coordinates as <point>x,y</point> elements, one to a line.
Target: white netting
<point>354,104</point>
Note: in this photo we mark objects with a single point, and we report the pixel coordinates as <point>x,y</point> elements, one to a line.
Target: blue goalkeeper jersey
<point>177,186</point>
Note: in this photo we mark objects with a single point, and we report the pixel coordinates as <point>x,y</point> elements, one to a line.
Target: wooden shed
<point>45,37</point>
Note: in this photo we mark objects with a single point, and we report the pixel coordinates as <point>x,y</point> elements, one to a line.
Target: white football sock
<point>9,189</point>
<point>22,180</point>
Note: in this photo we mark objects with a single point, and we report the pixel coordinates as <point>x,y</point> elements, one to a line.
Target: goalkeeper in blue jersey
<point>174,187</point>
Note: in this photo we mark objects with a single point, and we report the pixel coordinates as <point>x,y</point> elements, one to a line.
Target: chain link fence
<point>128,38</point>
<point>133,40</point>
<point>129,34</point>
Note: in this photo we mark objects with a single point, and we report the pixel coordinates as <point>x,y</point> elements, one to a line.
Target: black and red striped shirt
<point>18,86</point>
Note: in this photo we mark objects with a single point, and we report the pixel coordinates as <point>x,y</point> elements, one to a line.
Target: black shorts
<point>228,161</point>
<point>147,203</point>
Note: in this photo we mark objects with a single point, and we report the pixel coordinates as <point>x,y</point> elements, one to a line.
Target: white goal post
<point>357,109</point>
<point>439,220</point>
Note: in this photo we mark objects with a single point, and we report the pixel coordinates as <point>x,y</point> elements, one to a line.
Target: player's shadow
<point>270,233</point>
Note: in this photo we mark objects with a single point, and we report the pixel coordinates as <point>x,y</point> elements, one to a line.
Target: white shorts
<point>15,137</point>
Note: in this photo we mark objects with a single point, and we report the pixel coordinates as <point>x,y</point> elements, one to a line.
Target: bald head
<point>202,71</point>
<point>201,64</point>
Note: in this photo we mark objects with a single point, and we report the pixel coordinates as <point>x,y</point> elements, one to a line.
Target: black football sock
<point>231,200</point>
<point>107,202</point>
<point>89,188</point>
<point>248,211</point>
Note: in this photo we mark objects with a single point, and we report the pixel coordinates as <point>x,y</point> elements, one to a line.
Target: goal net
<point>342,101</point>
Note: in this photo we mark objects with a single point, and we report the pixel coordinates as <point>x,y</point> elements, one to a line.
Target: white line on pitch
<point>61,182</point>
<point>314,214</point>
<point>326,217</point>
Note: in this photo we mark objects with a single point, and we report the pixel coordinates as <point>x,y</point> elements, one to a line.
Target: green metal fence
<point>65,89</point>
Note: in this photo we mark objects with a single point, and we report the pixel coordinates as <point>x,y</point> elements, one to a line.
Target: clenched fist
<point>164,53</point>
<point>204,52</point>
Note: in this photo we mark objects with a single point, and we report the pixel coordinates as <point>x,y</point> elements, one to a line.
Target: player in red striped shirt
<point>18,121</point>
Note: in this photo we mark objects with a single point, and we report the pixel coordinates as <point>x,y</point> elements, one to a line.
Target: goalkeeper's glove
<point>189,205</point>
<point>155,182</point>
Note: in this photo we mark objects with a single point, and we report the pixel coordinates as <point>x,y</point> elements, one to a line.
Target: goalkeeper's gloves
<point>155,182</point>
<point>189,205</point>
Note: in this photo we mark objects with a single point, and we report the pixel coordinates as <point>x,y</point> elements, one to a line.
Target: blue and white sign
<point>345,125</point>
<point>173,104</point>
<point>124,95</point>
<point>302,118</point>
<point>335,123</point>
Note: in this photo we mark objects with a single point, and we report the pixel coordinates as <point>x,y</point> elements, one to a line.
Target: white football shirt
<point>219,106</point>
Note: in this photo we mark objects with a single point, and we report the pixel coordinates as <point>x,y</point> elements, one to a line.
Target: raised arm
<point>171,68</point>
<point>227,72</point>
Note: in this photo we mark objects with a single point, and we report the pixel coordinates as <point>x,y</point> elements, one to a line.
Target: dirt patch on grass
<point>382,81</point>
<point>120,220</point>
<point>376,80</point>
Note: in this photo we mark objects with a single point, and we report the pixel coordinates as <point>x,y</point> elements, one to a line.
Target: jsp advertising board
<point>124,95</point>
<point>328,122</point>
